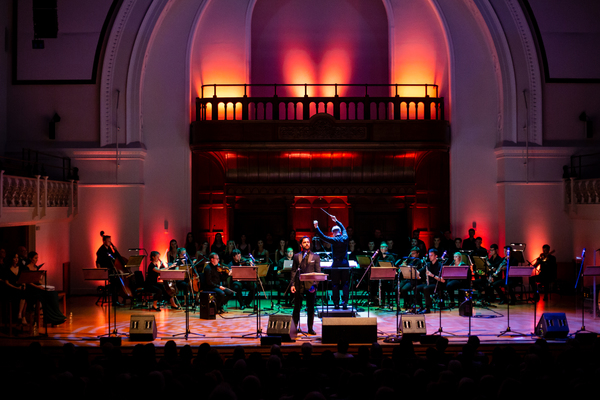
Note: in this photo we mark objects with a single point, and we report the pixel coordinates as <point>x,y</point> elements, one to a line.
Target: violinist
<point>152,284</point>
<point>547,267</point>
<point>239,286</point>
<point>212,280</point>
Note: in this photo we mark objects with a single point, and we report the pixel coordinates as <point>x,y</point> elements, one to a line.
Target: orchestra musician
<point>304,262</point>
<point>455,284</point>
<point>340,274</point>
<point>386,286</point>
<point>105,258</point>
<point>498,278</point>
<point>546,264</point>
<point>284,276</point>
<point>212,281</point>
<point>152,285</point>
<point>469,242</point>
<point>482,283</point>
<point>406,284</point>
<point>433,280</point>
<point>239,286</point>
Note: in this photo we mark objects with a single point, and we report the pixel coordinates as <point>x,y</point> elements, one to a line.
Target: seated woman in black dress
<point>38,291</point>
<point>10,276</point>
<point>152,284</point>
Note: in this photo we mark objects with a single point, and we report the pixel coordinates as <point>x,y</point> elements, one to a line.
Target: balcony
<point>367,117</point>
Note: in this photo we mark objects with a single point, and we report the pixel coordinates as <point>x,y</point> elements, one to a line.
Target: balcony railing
<point>386,104</point>
<point>582,191</point>
<point>39,193</point>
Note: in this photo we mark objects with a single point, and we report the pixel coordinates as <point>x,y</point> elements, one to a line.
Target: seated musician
<point>239,286</point>
<point>386,286</point>
<point>212,281</point>
<point>546,264</point>
<point>11,289</point>
<point>498,278</point>
<point>182,262</point>
<point>105,258</point>
<point>406,284</point>
<point>38,291</point>
<point>482,279</point>
<point>455,284</point>
<point>153,286</point>
<point>284,276</point>
<point>434,283</point>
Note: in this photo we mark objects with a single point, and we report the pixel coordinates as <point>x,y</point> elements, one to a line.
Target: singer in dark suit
<point>304,262</point>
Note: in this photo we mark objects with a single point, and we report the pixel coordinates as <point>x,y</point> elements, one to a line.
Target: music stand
<point>179,275</point>
<point>515,272</point>
<point>252,273</point>
<point>134,262</point>
<point>102,274</point>
<point>593,271</point>
<point>460,272</point>
<point>382,273</point>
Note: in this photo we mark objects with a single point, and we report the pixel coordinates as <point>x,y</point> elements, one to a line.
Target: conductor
<point>340,274</point>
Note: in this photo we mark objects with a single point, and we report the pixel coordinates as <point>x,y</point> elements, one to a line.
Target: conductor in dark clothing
<point>304,262</point>
<point>340,274</point>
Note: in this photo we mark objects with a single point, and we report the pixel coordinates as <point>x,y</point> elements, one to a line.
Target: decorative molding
<point>532,70</point>
<point>106,154</point>
<point>530,183</point>
<point>107,96</point>
<point>315,190</point>
<point>534,152</point>
<point>322,128</point>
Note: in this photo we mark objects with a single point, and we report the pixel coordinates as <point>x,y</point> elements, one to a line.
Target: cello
<point>123,278</point>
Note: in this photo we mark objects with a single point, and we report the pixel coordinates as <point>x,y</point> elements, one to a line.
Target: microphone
<point>304,253</point>
<point>136,249</point>
<point>374,254</point>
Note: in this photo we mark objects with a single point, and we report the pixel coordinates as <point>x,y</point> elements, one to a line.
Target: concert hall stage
<point>86,321</point>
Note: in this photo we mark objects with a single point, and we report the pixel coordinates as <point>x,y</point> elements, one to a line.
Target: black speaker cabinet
<point>283,326</point>
<point>413,325</point>
<point>142,328</point>
<point>352,330</point>
<point>465,309</point>
<point>208,305</point>
<point>552,326</point>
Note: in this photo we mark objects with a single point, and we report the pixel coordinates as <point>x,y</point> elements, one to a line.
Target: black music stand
<point>514,272</point>
<point>412,273</point>
<point>363,262</point>
<point>250,274</point>
<point>102,274</point>
<point>460,272</point>
<point>180,275</point>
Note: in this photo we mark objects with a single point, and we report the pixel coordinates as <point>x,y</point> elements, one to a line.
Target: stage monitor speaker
<point>142,328</point>
<point>413,326</point>
<point>552,326</point>
<point>352,330</point>
<point>208,305</point>
<point>283,326</point>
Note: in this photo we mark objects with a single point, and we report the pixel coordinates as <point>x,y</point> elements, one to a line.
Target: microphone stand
<point>579,276</point>
<point>369,285</point>
<point>507,331</point>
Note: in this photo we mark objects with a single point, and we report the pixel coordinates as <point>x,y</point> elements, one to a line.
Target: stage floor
<point>86,321</point>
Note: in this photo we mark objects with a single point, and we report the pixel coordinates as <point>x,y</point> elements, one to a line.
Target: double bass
<point>123,277</point>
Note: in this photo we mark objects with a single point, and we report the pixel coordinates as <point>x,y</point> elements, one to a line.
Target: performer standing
<point>340,274</point>
<point>304,262</point>
<point>546,263</point>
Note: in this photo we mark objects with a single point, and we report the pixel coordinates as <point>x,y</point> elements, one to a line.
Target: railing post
<point>215,111</point>
<point>36,201</point>
<point>45,199</point>
<point>427,110</point>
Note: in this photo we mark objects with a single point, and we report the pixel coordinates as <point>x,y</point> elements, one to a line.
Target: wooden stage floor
<point>86,321</point>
